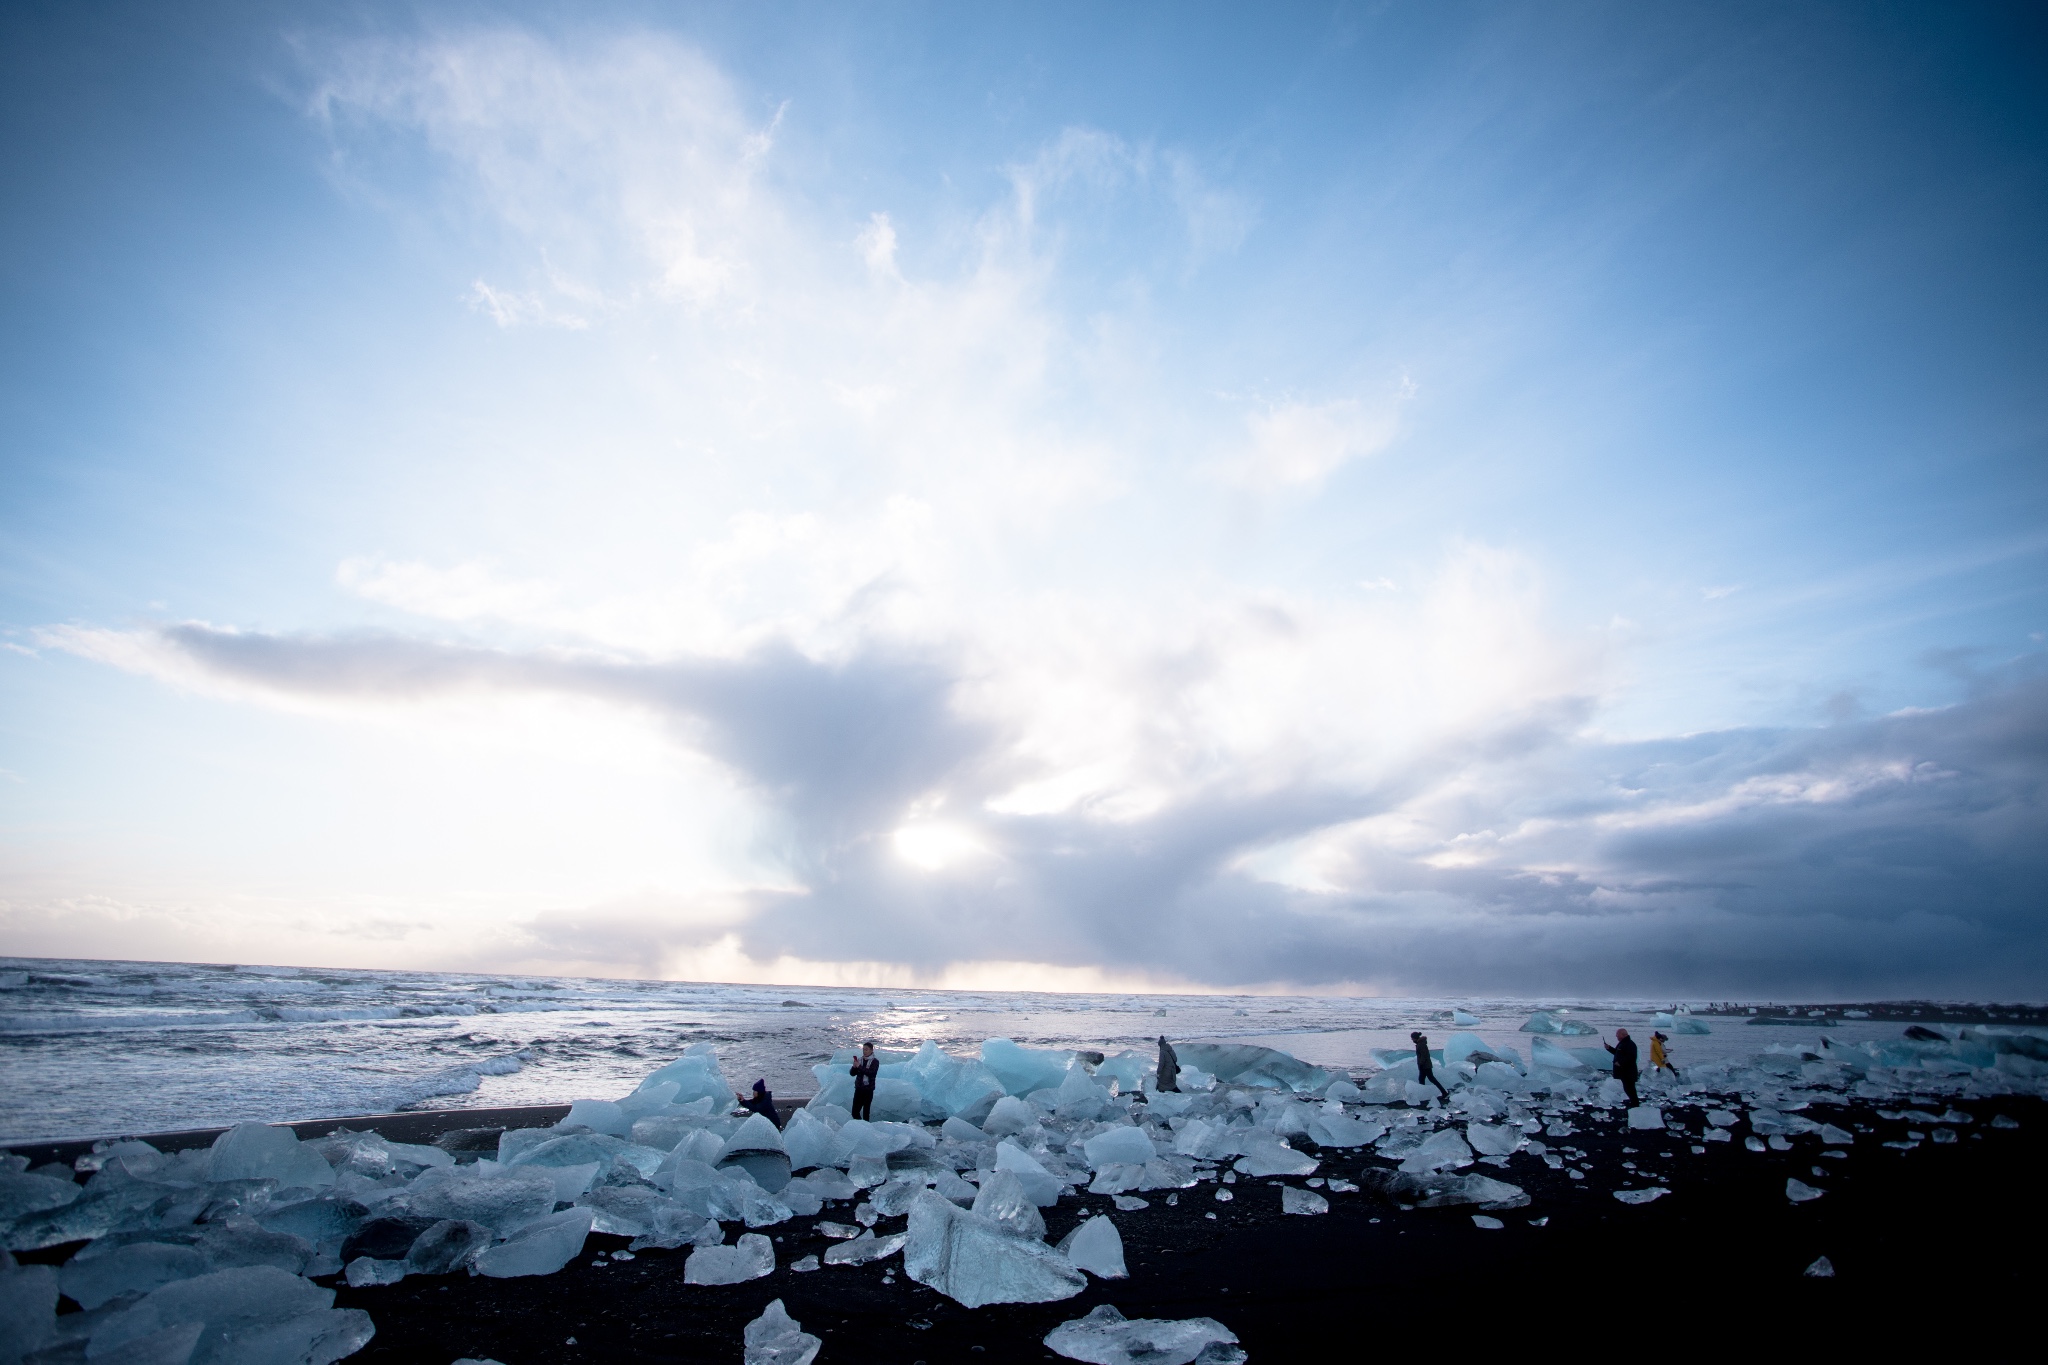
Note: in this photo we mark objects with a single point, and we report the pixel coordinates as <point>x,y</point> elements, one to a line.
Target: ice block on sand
<point>973,1260</point>
<point>1107,1337</point>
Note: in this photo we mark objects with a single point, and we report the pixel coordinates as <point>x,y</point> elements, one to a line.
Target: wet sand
<point>1935,1248</point>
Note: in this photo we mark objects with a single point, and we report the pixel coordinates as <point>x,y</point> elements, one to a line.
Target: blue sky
<point>1381,498</point>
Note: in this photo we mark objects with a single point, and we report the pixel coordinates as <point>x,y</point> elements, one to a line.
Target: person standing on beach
<point>1169,1066</point>
<point>1425,1069</point>
<point>864,1071</point>
<point>1623,1049</point>
<point>1660,1060</point>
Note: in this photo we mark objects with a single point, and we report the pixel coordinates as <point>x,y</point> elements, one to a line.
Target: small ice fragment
<point>1837,1137</point>
<point>2004,1121</point>
<point>1755,1144</point>
<point>1780,1143</point>
<point>1576,1174</point>
<point>751,1258</point>
<point>1106,1337</point>
<point>367,1270</point>
<point>1542,1222</point>
<point>1003,1200</point>
<point>1944,1135</point>
<point>1821,1269</point>
<point>1130,1203</point>
<point>1645,1116</point>
<point>1337,1186</point>
<point>804,1264</point>
<point>1293,1200</point>
<point>1646,1195</point>
<point>775,1338</point>
<point>1224,1196</point>
<point>1096,1247</point>
<point>864,1248</point>
<point>1798,1191</point>
<point>1487,1220</point>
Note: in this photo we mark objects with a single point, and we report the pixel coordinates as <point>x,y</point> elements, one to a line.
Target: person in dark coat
<point>763,1103</point>
<point>1425,1068</point>
<point>1169,1066</point>
<point>864,1071</point>
<point>1624,1049</point>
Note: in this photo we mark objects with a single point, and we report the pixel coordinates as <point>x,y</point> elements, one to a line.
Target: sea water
<point>92,1048</point>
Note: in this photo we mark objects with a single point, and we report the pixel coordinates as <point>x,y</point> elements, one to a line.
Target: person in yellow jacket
<point>1659,1060</point>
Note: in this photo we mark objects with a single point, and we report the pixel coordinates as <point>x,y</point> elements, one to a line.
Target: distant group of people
<point>867,1069</point>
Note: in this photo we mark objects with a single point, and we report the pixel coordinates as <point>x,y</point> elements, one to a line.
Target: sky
<point>1404,498</point>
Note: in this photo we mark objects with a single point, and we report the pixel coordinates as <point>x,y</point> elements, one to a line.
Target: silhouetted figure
<point>1660,1060</point>
<point>1624,1049</point>
<point>763,1103</point>
<point>864,1071</point>
<point>1169,1067</point>
<point>1425,1069</point>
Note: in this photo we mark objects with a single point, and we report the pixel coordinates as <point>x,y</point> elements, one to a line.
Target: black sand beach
<point>1937,1247</point>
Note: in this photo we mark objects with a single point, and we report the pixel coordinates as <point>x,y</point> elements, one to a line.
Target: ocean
<point>96,1048</point>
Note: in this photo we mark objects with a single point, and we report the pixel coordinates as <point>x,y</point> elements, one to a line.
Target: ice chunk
<point>1120,1144</point>
<point>600,1116</point>
<point>1723,1118</point>
<point>696,1075</point>
<point>1106,1337</point>
<point>1167,1173</point>
<point>775,1338</point>
<point>1836,1137</point>
<point>257,1151</point>
<point>864,1248</point>
<point>974,1261</point>
<point>366,1271</point>
<point>1798,1191</point>
<point>1117,1177</point>
<point>501,1203</point>
<point>1544,1053</point>
<point>28,1307</point>
<point>808,1142</point>
<point>242,1241</point>
<point>1022,1070</point>
<point>751,1258</point>
<point>1442,1190</point>
<point>446,1246</point>
<point>2004,1121</point>
<point>1096,1247</point>
<point>1493,1139</point>
<point>1294,1200</point>
<point>1004,1201</point>
<point>22,1194</point>
<point>1339,1130</point>
<point>1821,1269</point>
<point>866,1172</point>
<point>1645,1116</point>
<point>950,1085</point>
<point>253,1314</point>
<point>1245,1064</point>
<point>1129,1203</point>
<point>540,1248</point>
<point>1265,1154</point>
<point>825,1183</point>
<point>1439,1151</point>
<point>1463,1019</point>
<point>1040,1185</point>
<point>133,1269</point>
<point>1010,1115</point>
<point>1647,1195</point>
<point>1492,1224</point>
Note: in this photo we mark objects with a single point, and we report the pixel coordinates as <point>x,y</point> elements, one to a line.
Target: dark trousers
<point>1430,1076</point>
<point>863,1102</point>
<point>1628,1083</point>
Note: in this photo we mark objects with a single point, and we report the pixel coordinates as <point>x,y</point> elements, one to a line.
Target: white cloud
<point>1299,445</point>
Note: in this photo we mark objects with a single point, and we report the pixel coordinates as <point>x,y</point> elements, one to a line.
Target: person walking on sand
<point>864,1071</point>
<point>1660,1060</point>
<point>1425,1069</point>
<point>1169,1067</point>
<point>1623,1049</point>
<point>762,1102</point>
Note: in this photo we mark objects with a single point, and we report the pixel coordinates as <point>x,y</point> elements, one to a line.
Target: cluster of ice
<point>207,1255</point>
